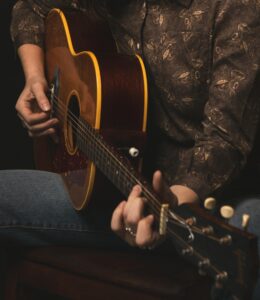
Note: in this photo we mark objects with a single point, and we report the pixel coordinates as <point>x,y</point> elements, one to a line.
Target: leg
<point>250,206</point>
<point>35,210</point>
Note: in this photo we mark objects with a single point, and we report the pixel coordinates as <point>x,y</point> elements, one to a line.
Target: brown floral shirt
<point>202,58</point>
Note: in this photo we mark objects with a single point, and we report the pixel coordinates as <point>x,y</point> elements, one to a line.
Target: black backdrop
<point>15,145</point>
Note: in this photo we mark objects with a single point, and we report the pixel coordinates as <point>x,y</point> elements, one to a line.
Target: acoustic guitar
<point>100,98</point>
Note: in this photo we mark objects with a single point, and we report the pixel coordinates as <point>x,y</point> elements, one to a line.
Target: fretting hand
<point>129,221</point>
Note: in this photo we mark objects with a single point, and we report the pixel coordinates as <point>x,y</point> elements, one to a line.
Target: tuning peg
<point>227,212</point>
<point>210,203</point>
<point>245,221</point>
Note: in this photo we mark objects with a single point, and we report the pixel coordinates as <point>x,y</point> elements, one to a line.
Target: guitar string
<point>83,127</point>
<point>181,241</point>
<point>74,119</point>
<point>197,230</point>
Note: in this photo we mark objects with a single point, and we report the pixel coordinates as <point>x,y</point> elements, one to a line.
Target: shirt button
<point>138,46</point>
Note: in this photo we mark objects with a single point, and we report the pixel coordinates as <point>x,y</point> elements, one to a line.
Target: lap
<point>35,209</point>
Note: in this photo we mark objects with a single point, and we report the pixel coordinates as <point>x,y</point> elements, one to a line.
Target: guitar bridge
<point>163,219</point>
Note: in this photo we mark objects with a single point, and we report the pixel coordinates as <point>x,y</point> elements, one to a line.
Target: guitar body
<point>100,99</point>
<point>92,83</point>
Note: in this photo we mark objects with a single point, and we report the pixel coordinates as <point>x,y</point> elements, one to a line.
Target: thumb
<point>163,190</point>
<point>41,98</point>
<point>158,182</point>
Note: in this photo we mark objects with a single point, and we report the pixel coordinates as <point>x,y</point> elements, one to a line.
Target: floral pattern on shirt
<point>202,59</point>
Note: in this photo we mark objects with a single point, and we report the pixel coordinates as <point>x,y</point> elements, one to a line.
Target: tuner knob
<point>245,221</point>
<point>227,212</point>
<point>210,203</point>
<point>203,265</point>
<point>188,251</point>
<point>207,230</point>
<point>221,277</point>
<point>226,240</point>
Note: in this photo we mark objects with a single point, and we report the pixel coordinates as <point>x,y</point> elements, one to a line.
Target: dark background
<point>15,145</point>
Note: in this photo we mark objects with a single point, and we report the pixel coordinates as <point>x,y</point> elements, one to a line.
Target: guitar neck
<point>116,167</point>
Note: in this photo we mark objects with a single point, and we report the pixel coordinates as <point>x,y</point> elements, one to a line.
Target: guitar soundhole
<point>72,124</point>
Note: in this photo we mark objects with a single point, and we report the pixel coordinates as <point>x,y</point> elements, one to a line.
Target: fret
<point>117,168</point>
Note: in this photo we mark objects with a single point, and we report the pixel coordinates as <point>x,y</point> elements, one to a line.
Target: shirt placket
<point>138,44</point>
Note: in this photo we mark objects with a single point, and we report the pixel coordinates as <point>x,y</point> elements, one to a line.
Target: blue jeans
<point>35,210</point>
<point>250,206</point>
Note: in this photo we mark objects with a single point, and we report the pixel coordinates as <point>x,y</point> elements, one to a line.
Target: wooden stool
<point>80,273</point>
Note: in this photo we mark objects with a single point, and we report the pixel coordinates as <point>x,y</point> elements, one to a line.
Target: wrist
<point>36,78</point>
<point>32,59</point>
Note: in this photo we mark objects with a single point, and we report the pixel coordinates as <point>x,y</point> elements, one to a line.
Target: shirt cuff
<point>26,38</point>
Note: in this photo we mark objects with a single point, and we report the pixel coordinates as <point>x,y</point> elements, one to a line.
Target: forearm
<point>32,59</point>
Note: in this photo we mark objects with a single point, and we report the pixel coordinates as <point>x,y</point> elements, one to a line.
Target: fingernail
<point>45,107</point>
<point>137,187</point>
<point>150,218</point>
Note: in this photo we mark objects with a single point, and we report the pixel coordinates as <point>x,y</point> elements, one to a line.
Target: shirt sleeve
<point>231,114</point>
<point>27,23</point>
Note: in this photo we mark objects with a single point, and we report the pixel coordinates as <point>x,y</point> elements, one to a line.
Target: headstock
<point>225,253</point>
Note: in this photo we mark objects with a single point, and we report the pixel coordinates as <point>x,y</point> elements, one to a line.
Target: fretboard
<point>115,166</point>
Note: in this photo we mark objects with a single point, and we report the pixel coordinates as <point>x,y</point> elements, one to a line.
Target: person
<point>202,61</point>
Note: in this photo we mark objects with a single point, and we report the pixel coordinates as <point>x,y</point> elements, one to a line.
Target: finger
<point>163,190</point>
<point>38,128</point>
<point>41,97</point>
<point>133,212</point>
<point>41,129</point>
<point>24,124</point>
<point>32,118</point>
<point>157,181</point>
<point>145,235</point>
<point>136,192</point>
<point>134,208</point>
<point>117,220</point>
<point>49,131</point>
<point>118,225</point>
<point>133,197</point>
